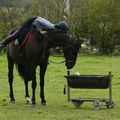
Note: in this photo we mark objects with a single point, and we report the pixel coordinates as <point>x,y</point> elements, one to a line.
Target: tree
<point>103,21</point>
<point>11,12</point>
<point>74,11</point>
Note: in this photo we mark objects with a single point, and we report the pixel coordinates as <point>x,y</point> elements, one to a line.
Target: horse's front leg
<point>10,77</point>
<point>34,84</point>
<point>27,97</point>
<point>43,68</point>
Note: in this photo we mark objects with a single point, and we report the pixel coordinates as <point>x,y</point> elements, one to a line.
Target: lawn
<point>58,108</point>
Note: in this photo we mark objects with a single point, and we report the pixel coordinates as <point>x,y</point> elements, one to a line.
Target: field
<point>58,107</point>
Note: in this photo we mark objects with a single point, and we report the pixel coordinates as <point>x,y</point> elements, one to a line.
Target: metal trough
<point>90,82</point>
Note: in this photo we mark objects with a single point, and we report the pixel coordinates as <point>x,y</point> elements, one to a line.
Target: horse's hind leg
<point>10,76</point>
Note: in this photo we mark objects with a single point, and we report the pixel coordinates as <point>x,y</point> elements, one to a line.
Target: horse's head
<point>71,51</point>
<point>70,46</point>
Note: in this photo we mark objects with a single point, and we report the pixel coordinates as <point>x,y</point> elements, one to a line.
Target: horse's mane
<point>56,31</point>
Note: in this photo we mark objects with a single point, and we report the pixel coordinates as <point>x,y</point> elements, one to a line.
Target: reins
<point>44,50</point>
<point>45,43</point>
<point>56,62</point>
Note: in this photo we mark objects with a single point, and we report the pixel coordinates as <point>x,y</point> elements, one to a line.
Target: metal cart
<point>90,82</point>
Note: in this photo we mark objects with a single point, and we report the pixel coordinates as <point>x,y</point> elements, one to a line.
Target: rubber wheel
<point>110,104</point>
<point>96,105</point>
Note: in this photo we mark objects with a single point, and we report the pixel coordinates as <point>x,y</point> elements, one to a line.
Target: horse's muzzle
<point>70,64</point>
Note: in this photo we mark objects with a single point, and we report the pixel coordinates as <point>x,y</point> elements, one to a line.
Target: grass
<point>58,107</point>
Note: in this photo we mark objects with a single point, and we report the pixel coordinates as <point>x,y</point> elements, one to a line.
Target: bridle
<point>72,49</point>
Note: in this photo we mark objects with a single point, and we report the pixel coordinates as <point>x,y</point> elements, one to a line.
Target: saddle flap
<point>23,40</point>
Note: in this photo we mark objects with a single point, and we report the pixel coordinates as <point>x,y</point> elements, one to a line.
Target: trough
<point>90,82</point>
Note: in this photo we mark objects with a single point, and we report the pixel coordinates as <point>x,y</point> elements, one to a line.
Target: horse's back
<point>31,50</point>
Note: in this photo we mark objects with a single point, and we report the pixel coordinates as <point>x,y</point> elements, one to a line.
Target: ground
<point>58,107</point>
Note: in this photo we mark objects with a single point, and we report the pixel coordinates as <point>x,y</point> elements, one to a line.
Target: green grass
<point>58,107</point>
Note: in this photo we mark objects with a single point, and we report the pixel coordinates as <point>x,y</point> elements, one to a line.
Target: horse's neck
<point>56,43</point>
<point>60,40</point>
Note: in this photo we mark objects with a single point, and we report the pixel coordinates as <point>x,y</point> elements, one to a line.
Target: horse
<point>36,52</point>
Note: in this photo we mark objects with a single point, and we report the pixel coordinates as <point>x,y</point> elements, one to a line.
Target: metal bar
<point>68,88</point>
<point>110,87</point>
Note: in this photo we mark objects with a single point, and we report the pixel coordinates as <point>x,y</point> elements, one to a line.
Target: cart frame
<point>96,101</point>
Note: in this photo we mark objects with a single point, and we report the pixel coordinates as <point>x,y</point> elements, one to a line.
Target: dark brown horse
<point>36,53</point>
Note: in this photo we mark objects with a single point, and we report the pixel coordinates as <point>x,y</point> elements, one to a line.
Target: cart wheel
<point>96,105</point>
<point>110,104</point>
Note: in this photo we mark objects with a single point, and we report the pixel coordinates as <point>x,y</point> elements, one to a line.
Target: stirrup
<point>16,42</point>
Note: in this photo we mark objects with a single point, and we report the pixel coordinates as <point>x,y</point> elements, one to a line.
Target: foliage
<point>11,16</point>
<point>81,28</point>
<point>104,21</point>
<point>99,19</point>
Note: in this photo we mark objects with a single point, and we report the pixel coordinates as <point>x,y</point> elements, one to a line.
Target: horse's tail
<point>21,70</point>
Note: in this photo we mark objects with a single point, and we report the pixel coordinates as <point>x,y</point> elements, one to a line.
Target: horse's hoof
<point>44,103</point>
<point>12,101</point>
<point>34,105</point>
<point>28,100</point>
